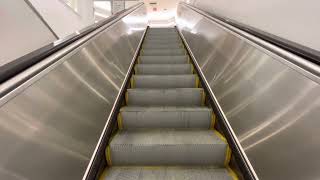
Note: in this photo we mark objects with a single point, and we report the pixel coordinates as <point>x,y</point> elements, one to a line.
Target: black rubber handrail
<point>18,65</point>
<point>304,57</point>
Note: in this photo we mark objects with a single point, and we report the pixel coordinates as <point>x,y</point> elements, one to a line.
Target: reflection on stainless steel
<point>50,129</point>
<point>273,107</point>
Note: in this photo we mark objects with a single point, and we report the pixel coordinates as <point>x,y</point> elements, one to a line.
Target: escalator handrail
<point>17,72</point>
<point>298,58</point>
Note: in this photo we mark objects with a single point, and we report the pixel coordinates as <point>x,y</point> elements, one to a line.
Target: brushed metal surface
<point>273,108</point>
<point>50,129</point>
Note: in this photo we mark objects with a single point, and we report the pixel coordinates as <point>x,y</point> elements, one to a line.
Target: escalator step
<point>165,173</point>
<point>161,46</point>
<point>166,117</point>
<point>163,59</point>
<point>166,38</point>
<point>171,32</point>
<point>162,34</point>
<point>163,69</point>
<point>177,44</point>
<point>172,49</point>
<point>161,41</point>
<point>164,147</point>
<point>163,38</point>
<point>163,52</point>
<point>164,81</point>
<point>165,97</point>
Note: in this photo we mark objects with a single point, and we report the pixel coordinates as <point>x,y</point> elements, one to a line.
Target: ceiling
<point>161,12</point>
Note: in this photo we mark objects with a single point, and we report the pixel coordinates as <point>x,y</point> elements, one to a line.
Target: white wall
<point>62,18</point>
<point>165,13</point>
<point>21,30</point>
<point>295,20</point>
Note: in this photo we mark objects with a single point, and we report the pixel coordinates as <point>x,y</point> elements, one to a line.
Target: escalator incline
<point>165,130</point>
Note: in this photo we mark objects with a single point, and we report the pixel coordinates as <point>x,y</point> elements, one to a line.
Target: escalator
<point>120,100</point>
<point>166,128</point>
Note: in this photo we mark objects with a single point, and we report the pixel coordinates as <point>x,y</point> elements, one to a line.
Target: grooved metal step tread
<point>167,147</point>
<point>164,35</point>
<point>165,117</point>
<point>163,69</point>
<point>166,38</point>
<point>163,52</point>
<point>164,48</point>
<point>162,41</point>
<point>174,32</point>
<point>164,81</point>
<point>163,60</point>
<point>165,97</point>
<point>165,173</point>
<point>161,46</point>
<point>169,50</point>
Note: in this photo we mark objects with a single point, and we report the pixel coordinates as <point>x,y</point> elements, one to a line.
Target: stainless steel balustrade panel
<point>273,109</point>
<point>50,130</point>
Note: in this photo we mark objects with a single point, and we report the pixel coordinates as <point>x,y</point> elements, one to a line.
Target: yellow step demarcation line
<point>126,96</point>
<point>103,176</point>
<point>135,70</point>
<point>108,156</point>
<point>232,173</point>
<point>138,60</point>
<point>197,81</point>
<point>213,121</point>
<point>203,97</point>
<point>120,121</point>
<point>192,69</point>
<point>228,156</point>
<point>108,150</point>
<point>132,83</point>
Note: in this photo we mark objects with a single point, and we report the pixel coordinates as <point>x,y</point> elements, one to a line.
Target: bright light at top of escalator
<point>134,20</point>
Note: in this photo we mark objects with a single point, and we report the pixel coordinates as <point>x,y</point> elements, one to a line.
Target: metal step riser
<point>158,52</point>
<point>165,97</point>
<point>163,60</point>
<point>162,32</point>
<point>166,119</point>
<point>172,40</point>
<point>164,50</point>
<point>160,38</point>
<point>162,46</point>
<point>167,37</point>
<point>152,69</point>
<point>161,42</point>
<point>177,81</point>
<point>169,147</point>
<point>209,155</point>
<point>165,173</point>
